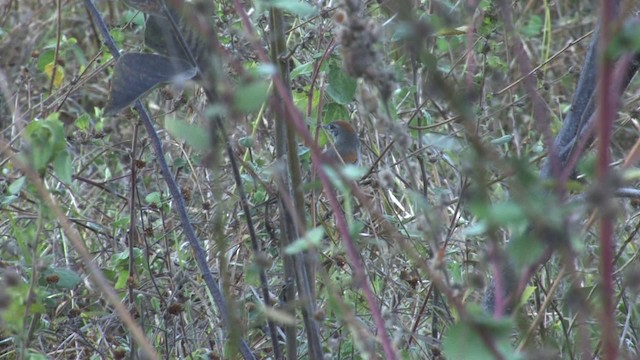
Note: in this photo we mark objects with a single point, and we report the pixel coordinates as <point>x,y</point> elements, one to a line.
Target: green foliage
<point>48,146</point>
<point>295,7</point>
<point>533,27</point>
<point>194,135</point>
<point>251,96</point>
<point>341,87</point>
<point>310,240</point>
<point>449,172</point>
<point>467,340</point>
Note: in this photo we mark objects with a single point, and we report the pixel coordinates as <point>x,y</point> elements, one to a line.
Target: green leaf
<point>333,111</point>
<point>46,139</point>
<point>303,69</point>
<point>154,198</point>
<point>132,16</point>
<point>67,279</point>
<point>194,135</point>
<point>463,340</point>
<point>341,87</point>
<point>250,97</point>
<point>122,223</point>
<point>353,172</point>
<point>524,249</point>
<point>246,141</point>
<point>442,142</point>
<point>16,186</point>
<point>7,200</point>
<point>502,140</point>
<point>625,41</point>
<point>526,294</point>
<point>123,276</point>
<point>46,57</point>
<point>63,166</point>
<point>118,36</point>
<point>310,240</point>
<point>533,27</point>
<point>295,7</point>
<point>301,101</point>
<point>83,122</point>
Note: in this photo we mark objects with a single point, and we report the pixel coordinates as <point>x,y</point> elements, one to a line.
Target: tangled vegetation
<point>164,194</point>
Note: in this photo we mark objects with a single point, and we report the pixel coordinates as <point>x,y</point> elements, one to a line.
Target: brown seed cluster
<point>360,40</point>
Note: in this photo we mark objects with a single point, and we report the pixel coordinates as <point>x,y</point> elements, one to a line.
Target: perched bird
<point>346,145</point>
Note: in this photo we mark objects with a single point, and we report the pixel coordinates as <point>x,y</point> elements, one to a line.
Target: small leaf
<point>7,200</point>
<point>16,186</point>
<point>533,27</point>
<point>147,6</point>
<point>83,122</point>
<point>442,142</point>
<point>246,141</point>
<point>353,172</point>
<point>526,294</point>
<point>46,57</point>
<point>461,30</point>
<point>154,198</point>
<point>502,140</point>
<point>194,135</point>
<point>59,77</point>
<point>249,97</point>
<point>303,69</point>
<point>123,277</point>
<point>279,316</point>
<point>118,36</point>
<point>295,7</point>
<point>310,240</point>
<point>46,139</point>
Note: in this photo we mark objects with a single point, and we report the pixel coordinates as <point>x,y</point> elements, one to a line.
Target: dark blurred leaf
<point>135,74</point>
<point>160,37</point>
<point>625,41</point>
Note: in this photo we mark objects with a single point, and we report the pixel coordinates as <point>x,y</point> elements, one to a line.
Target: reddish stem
<point>297,122</point>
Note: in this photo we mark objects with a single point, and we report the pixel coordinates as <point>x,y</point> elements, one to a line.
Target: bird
<point>346,144</point>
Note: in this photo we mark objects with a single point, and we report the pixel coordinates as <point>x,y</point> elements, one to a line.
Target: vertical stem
<point>605,116</point>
